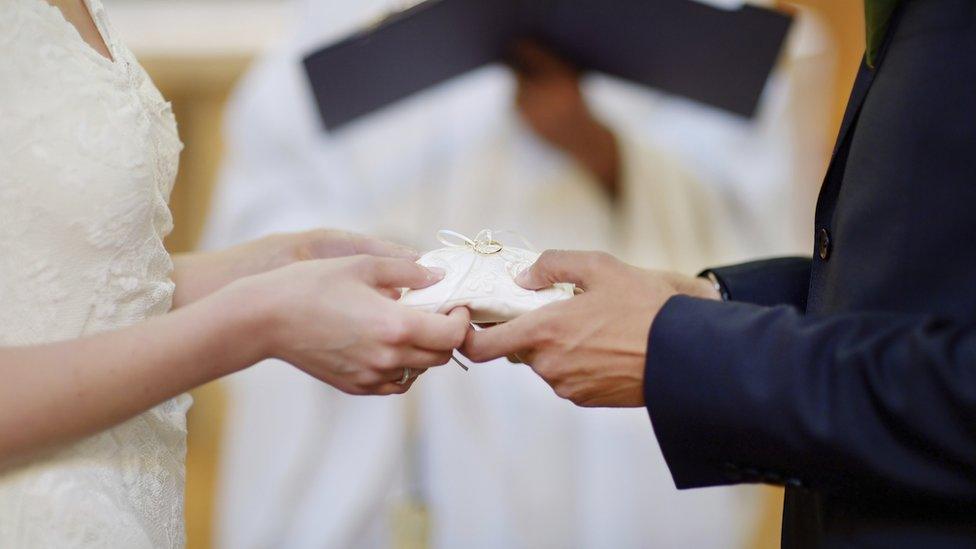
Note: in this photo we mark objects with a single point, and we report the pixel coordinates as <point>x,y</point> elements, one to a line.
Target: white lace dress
<point>88,155</point>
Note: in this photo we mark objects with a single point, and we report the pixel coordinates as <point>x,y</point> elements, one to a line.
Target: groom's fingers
<point>436,332</point>
<point>511,338</point>
<point>554,266</point>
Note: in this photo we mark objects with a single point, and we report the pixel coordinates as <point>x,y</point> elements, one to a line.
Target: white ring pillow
<point>480,275</point>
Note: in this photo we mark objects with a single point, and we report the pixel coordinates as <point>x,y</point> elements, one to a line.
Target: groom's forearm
<point>865,401</point>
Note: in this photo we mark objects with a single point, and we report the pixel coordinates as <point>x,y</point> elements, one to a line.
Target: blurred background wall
<point>196,50</point>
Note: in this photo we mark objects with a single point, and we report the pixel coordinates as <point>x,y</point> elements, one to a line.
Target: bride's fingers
<point>391,293</point>
<point>387,272</point>
<point>392,389</point>
<point>424,358</point>
<point>396,388</point>
<point>326,243</point>
<point>373,246</point>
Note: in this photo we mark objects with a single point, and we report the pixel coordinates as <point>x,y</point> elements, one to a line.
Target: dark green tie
<point>877,15</point>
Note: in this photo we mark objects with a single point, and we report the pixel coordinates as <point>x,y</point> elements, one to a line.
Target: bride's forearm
<point>196,275</point>
<point>200,274</point>
<point>60,392</point>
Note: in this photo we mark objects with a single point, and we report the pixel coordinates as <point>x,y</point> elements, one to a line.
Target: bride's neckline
<point>100,30</point>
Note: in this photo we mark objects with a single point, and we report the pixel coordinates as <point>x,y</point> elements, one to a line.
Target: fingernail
<point>436,273</point>
<point>523,278</point>
<point>410,252</point>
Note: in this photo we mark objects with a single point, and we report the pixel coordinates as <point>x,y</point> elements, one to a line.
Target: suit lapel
<point>830,189</point>
<point>865,77</point>
<point>885,14</point>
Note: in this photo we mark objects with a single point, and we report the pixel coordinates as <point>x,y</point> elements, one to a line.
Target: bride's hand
<point>338,320</point>
<point>200,274</point>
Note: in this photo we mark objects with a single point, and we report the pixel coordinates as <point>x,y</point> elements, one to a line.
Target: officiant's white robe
<point>497,459</point>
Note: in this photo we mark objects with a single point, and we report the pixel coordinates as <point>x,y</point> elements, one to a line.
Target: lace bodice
<point>88,155</point>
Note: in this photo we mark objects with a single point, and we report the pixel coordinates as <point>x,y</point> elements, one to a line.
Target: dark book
<point>715,56</point>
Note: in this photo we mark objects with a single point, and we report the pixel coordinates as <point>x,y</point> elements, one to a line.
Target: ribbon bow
<point>483,243</point>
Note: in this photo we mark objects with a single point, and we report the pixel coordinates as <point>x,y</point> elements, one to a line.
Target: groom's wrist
<point>715,289</point>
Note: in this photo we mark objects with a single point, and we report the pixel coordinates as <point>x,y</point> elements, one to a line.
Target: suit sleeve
<point>778,281</point>
<point>882,402</point>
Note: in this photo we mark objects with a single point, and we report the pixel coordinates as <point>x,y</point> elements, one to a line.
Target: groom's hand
<point>591,348</point>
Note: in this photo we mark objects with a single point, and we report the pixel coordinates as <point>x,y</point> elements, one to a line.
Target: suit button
<point>823,244</point>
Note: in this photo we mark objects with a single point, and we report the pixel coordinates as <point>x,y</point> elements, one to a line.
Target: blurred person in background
<point>489,458</point>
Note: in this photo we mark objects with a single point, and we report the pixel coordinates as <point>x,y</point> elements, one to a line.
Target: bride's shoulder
<point>41,64</point>
<point>20,18</point>
<point>34,36</point>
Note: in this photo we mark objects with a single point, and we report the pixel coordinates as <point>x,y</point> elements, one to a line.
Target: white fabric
<point>480,275</point>
<point>496,457</point>
<point>88,156</point>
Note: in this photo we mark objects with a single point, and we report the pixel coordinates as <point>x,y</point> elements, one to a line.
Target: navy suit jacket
<point>850,377</point>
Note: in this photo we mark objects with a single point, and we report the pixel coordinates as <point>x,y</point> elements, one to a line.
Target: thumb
<point>554,266</point>
<point>500,340</point>
<point>387,272</point>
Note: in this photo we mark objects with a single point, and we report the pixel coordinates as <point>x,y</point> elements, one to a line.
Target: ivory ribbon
<point>483,243</point>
